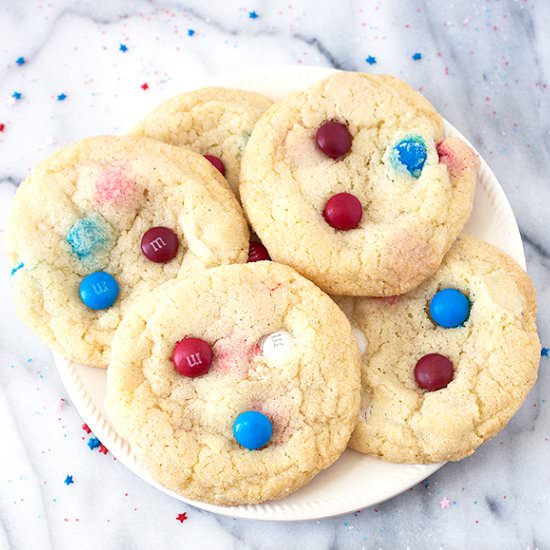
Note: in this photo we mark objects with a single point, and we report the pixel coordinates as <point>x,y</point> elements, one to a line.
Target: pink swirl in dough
<point>233,354</point>
<point>457,156</point>
<point>115,187</point>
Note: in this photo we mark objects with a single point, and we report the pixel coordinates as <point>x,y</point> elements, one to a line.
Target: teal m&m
<point>99,290</point>
<point>449,308</point>
<point>252,430</point>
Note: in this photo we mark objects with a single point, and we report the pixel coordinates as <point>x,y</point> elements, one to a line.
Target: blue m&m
<point>449,308</point>
<point>410,153</point>
<point>252,430</point>
<point>99,290</point>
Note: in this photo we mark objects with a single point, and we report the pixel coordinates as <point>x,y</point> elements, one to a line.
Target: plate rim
<point>120,449</point>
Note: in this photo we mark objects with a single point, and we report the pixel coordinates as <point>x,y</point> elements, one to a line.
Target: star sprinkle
<point>544,352</point>
<point>20,61</point>
<point>93,443</point>
<point>17,96</point>
<point>182,517</point>
<point>68,480</point>
<point>416,56</point>
<point>2,127</point>
<point>123,48</point>
<point>190,32</point>
<point>103,450</point>
<point>86,428</point>
<point>145,86</point>
<point>444,503</point>
<point>253,15</point>
<point>62,96</point>
<point>371,60</point>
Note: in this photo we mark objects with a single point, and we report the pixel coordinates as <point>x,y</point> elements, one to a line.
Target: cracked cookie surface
<point>214,121</point>
<point>85,209</point>
<point>180,428</point>
<point>409,219</point>
<point>495,355</point>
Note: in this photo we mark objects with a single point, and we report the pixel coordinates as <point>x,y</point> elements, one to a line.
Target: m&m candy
<point>449,308</point>
<point>433,372</point>
<point>333,138</point>
<point>99,290</point>
<point>343,211</point>
<point>252,430</point>
<point>159,244</point>
<point>276,344</point>
<point>410,153</point>
<point>217,162</point>
<point>257,252</point>
<point>192,357</point>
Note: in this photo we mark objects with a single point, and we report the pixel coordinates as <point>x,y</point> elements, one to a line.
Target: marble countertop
<point>69,69</point>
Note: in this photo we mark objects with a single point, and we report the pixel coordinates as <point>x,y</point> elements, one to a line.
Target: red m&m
<point>433,372</point>
<point>333,138</point>
<point>257,252</point>
<point>192,357</point>
<point>159,244</point>
<point>343,211</point>
<point>217,162</point>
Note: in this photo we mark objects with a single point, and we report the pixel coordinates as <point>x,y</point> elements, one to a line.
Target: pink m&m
<point>257,252</point>
<point>433,372</point>
<point>343,211</point>
<point>217,162</point>
<point>159,244</point>
<point>192,357</point>
<point>333,138</point>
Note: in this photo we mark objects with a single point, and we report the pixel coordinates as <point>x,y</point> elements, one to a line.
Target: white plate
<point>354,481</point>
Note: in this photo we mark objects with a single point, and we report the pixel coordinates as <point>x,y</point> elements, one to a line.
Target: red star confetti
<point>86,428</point>
<point>445,503</point>
<point>103,450</point>
<point>182,517</point>
<point>145,86</point>
<point>2,127</point>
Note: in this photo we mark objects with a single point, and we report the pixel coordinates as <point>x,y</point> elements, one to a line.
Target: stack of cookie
<point>357,314</point>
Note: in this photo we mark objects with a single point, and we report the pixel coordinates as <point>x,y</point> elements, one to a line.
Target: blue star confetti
<point>371,60</point>
<point>416,56</point>
<point>17,96</point>
<point>544,352</point>
<point>123,48</point>
<point>20,61</point>
<point>68,480</point>
<point>253,15</point>
<point>62,97</point>
<point>190,32</point>
<point>93,443</point>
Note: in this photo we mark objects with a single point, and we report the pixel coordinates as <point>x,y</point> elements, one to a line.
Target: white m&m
<point>276,344</point>
<point>361,340</point>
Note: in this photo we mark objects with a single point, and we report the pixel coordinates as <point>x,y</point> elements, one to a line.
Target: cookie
<point>447,365</point>
<point>105,219</point>
<point>353,183</point>
<point>215,122</point>
<point>236,385</point>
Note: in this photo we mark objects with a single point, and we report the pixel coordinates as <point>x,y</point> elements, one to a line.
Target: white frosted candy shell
<point>276,344</point>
